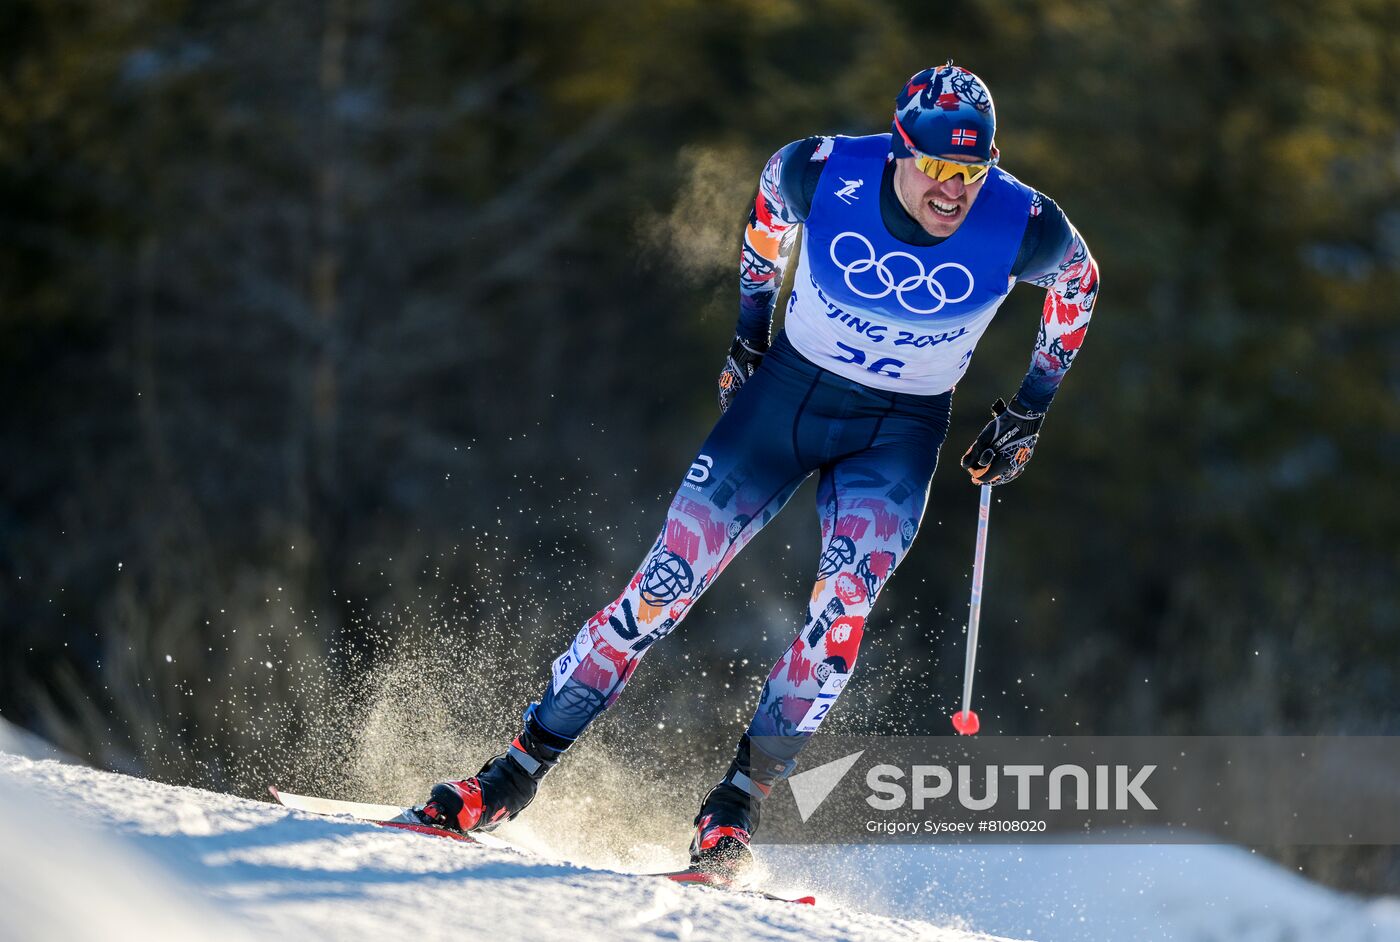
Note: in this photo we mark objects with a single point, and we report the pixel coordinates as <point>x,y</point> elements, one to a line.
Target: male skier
<point>913,240</point>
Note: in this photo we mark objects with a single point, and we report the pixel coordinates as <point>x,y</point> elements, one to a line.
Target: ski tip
<point>272,790</point>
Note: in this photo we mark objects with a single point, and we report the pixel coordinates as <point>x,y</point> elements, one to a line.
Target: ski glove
<point>1004,448</point>
<point>742,362</point>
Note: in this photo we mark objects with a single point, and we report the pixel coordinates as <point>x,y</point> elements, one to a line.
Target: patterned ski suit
<point>856,389</point>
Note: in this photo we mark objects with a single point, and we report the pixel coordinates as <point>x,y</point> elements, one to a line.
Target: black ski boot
<point>503,787</point>
<point>729,814</point>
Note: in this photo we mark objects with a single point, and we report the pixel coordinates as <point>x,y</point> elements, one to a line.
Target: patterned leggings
<point>875,452</point>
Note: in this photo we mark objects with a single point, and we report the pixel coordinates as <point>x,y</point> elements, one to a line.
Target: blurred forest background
<point>351,350</point>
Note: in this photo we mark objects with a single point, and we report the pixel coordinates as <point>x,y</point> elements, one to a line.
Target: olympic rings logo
<point>903,286</point>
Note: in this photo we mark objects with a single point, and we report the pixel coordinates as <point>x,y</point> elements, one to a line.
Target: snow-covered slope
<point>88,854</point>
<point>1093,893</point>
<point>193,864</point>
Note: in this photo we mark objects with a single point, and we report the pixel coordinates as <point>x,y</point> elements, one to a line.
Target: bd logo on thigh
<point>699,472</point>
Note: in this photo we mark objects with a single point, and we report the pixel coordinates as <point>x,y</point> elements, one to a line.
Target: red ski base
<point>704,878</point>
<point>429,829</point>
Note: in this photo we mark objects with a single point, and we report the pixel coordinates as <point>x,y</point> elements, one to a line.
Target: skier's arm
<point>1054,256</point>
<point>1058,260</point>
<point>783,199</point>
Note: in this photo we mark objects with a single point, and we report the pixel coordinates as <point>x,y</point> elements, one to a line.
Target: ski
<point>330,806</point>
<point>705,878</point>
<point>392,816</point>
<point>389,816</point>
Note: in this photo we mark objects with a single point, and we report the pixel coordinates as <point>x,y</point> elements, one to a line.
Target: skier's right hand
<point>742,362</point>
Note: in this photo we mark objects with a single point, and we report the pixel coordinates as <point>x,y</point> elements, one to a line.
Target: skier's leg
<point>870,504</point>
<point>745,471</point>
<point>703,532</point>
<point>867,529</point>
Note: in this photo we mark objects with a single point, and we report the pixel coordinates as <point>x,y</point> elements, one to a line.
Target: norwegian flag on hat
<point>964,137</point>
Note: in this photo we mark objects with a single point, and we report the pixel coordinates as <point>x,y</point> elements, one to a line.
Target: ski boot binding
<point>723,829</point>
<point>502,789</point>
<point>728,816</point>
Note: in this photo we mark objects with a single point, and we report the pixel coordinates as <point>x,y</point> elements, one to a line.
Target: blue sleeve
<point>1047,239</point>
<point>800,175</point>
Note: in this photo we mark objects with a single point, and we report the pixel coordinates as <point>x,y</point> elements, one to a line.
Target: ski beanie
<point>945,110</point>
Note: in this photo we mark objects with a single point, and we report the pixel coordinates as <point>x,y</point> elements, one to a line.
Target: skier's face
<point>938,206</point>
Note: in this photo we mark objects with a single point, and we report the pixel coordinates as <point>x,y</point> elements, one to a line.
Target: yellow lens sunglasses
<point>939,169</point>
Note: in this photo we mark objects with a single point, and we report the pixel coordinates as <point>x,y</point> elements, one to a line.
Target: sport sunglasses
<point>939,169</point>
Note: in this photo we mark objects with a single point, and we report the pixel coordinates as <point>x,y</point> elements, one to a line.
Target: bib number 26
<point>885,366</point>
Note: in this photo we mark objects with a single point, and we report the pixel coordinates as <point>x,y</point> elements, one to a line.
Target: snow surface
<point>127,858</point>
<point>193,864</point>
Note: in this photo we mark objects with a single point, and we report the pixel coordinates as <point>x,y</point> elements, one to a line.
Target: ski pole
<point>966,722</point>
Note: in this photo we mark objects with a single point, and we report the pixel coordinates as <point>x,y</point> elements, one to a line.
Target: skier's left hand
<point>1005,446</point>
<point>742,363</point>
